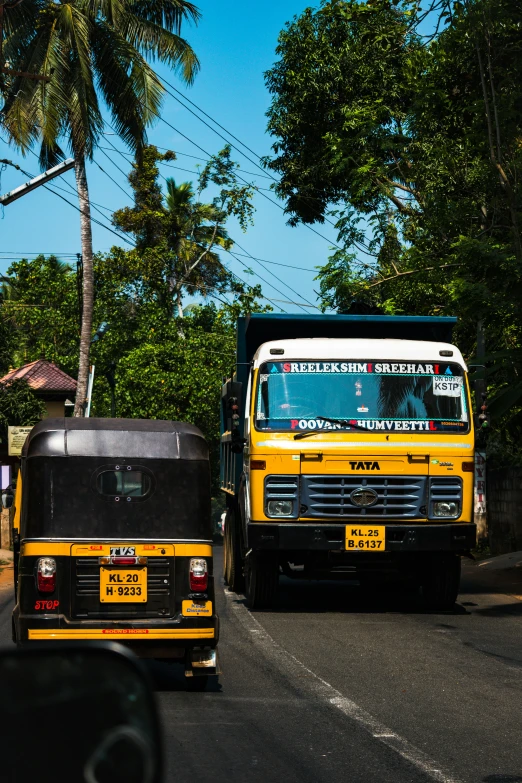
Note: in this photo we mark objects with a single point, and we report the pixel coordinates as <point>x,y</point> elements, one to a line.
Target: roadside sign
<point>16,437</point>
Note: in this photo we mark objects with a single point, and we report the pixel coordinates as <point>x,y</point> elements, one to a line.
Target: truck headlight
<point>445,509</point>
<point>282,496</point>
<point>280,508</point>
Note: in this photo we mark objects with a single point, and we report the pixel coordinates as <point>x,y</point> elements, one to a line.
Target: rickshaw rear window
<point>123,483</point>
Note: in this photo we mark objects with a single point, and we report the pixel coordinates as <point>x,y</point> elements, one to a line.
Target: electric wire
<point>252,257</point>
<point>184,154</point>
<point>309,201</point>
<point>74,206</point>
<point>271,273</point>
<point>211,118</point>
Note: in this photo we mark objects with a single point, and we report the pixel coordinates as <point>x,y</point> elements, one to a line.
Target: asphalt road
<point>335,686</point>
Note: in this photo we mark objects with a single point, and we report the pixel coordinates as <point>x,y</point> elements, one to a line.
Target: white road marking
<point>330,695</point>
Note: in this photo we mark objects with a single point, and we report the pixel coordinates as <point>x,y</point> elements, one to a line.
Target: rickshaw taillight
<point>46,575</point>
<point>198,574</point>
<point>123,560</point>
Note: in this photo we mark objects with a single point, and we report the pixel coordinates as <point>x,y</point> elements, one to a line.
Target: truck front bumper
<point>310,536</point>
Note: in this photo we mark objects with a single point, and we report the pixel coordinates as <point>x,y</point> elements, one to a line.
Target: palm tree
<point>91,50</point>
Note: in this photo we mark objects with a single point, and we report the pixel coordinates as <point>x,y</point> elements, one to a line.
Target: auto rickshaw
<point>113,531</point>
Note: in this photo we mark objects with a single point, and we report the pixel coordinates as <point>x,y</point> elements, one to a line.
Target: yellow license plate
<point>367,538</point>
<point>123,585</point>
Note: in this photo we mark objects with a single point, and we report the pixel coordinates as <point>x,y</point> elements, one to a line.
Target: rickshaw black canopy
<point>123,478</point>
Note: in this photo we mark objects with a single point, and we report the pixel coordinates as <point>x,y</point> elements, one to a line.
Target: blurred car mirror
<point>85,714</point>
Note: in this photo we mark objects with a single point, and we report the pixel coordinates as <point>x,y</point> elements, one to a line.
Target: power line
<point>271,273</point>
<point>278,263</point>
<point>258,275</point>
<point>270,284</point>
<point>212,119</point>
<point>15,253</point>
<point>280,206</point>
<point>125,174</point>
<point>237,175</point>
<point>308,200</point>
<point>284,301</point>
<point>81,211</point>
<point>177,152</point>
<point>227,141</point>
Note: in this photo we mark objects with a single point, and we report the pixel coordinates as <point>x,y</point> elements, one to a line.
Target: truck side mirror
<point>237,441</point>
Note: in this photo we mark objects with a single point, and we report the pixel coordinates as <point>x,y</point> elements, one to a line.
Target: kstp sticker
<point>447,387</point>
<point>47,605</point>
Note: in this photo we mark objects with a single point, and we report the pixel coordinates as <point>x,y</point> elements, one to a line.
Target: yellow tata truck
<point>347,452</point>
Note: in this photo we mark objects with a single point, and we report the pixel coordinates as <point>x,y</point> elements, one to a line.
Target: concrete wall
<point>504,510</point>
<point>54,409</point>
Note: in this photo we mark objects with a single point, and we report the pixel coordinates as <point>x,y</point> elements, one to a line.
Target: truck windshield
<point>396,396</point>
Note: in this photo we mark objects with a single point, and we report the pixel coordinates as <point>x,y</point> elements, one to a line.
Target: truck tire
<point>197,684</point>
<point>261,580</point>
<point>233,562</point>
<point>441,581</point>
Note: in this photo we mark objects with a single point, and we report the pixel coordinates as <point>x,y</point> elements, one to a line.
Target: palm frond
<point>154,42</point>
<point>169,14</point>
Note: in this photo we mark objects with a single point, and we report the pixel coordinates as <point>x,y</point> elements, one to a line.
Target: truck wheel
<point>261,580</point>
<point>196,684</point>
<point>441,581</point>
<point>233,561</point>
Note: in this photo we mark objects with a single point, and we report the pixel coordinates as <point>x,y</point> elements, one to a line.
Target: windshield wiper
<point>301,435</point>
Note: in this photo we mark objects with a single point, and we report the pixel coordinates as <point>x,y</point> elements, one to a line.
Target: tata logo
<point>364,497</point>
<point>365,466</point>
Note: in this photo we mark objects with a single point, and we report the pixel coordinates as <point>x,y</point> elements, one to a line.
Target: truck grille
<point>86,601</point>
<point>329,496</point>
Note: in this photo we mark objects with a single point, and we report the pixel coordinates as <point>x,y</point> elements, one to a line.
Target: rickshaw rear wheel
<point>196,684</point>
<point>233,565</point>
<point>261,580</point>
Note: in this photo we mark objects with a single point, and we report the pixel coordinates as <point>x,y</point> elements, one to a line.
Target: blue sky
<point>235,42</point>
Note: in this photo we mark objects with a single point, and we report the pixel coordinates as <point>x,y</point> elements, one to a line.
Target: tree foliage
<point>412,148</point>
<point>19,406</point>
<point>68,61</point>
<point>178,236</point>
<point>153,358</point>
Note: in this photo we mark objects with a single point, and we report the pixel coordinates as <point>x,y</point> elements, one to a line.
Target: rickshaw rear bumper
<point>145,637</point>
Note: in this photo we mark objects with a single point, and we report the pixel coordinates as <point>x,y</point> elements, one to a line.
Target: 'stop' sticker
<point>446,386</point>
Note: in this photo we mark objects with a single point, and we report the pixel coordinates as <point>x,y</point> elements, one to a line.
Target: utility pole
<point>480,514</point>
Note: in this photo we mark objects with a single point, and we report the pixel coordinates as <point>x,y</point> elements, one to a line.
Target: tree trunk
<point>87,283</point>
<point>179,302</point>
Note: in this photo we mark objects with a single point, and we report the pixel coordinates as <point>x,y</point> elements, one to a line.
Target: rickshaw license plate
<point>367,538</point>
<point>123,585</point>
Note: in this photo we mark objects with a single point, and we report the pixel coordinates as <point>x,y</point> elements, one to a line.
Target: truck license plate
<point>123,585</point>
<point>367,538</point>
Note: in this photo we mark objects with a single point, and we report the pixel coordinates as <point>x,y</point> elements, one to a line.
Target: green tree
<point>19,406</point>
<point>177,237</point>
<point>414,150</point>
<point>91,53</point>
<point>42,309</point>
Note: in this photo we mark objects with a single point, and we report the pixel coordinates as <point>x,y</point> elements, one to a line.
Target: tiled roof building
<point>43,376</point>
<point>48,382</point>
